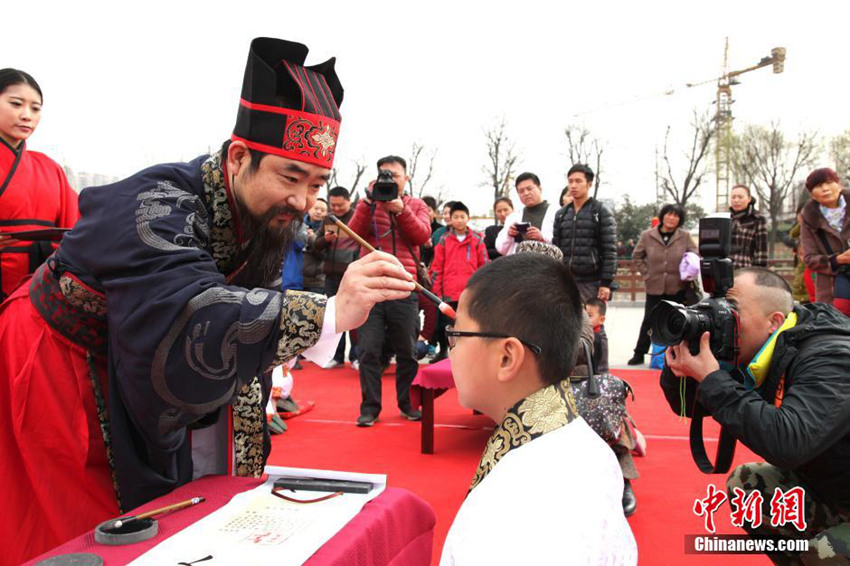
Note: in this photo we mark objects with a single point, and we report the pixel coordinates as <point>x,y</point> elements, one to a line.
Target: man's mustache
<point>275,211</point>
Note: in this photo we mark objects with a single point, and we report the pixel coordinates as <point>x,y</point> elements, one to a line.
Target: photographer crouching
<point>396,224</point>
<point>783,390</point>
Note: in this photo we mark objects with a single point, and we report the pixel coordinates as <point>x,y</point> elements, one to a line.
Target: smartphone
<point>521,227</point>
<point>314,484</point>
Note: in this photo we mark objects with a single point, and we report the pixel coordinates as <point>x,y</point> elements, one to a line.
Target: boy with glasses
<point>510,353</point>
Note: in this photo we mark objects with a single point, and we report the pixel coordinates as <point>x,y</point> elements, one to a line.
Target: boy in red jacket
<point>457,255</point>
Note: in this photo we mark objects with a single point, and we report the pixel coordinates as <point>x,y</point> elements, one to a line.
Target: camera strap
<point>725,446</point>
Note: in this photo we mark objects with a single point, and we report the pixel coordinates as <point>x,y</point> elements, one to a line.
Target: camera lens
<point>676,324</point>
<point>672,323</point>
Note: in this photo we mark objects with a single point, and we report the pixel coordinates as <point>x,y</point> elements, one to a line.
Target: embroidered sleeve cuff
<point>322,352</point>
<point>301,320</point>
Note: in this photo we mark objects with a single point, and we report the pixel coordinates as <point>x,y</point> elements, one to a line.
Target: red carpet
<point>670,482</point>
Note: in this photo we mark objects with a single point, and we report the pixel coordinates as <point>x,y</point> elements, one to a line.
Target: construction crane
<point>723,118</point>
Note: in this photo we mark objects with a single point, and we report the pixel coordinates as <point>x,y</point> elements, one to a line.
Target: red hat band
<point>307,137</point>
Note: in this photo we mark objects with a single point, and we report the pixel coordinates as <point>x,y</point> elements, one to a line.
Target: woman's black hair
<point>11,77</point>
<point>675,209</point>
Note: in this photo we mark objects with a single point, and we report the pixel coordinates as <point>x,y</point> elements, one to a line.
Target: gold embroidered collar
<point>225,247</point>
<point>541,412</point>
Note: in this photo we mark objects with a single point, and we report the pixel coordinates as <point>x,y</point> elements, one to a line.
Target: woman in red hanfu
<point>34,192</point>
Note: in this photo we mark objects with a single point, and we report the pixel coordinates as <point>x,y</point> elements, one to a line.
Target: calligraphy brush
<point>148,514</point>
<point>444,307</point>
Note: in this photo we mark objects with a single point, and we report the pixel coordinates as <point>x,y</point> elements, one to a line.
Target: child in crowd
<point>457,255</point>
<point>596,309</point>
<point>545,479</point>
<point>631,441</point>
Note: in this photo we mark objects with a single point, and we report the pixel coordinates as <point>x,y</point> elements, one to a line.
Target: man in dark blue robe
<point>154,317</point>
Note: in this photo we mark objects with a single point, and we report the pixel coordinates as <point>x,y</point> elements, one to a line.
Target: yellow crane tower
<point>723,118</point>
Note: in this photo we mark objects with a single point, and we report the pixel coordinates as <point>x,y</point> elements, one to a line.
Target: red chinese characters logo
<point>706,507</point>
<point>788,507</point>
<point>746,508</point>
<point>785,507</point>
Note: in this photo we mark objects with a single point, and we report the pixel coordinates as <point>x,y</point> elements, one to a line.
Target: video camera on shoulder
<point>672,323</point>
<point>385,188</point>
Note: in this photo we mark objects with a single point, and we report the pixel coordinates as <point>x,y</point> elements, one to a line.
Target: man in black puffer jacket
<point>586,232</point>
<point>789,402</point>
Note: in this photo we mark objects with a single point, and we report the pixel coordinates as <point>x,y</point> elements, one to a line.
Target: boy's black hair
<point>584,169</point>
<point>598,303</point>
<point>525,177</point>
<point>431,202</point>
<point>457,205</point>
<point>533,297</point>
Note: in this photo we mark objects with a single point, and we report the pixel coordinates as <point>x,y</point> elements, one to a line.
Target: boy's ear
<point>512,357</point>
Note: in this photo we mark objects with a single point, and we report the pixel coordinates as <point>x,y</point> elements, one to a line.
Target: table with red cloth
<point>432,381</point>
<point>394,529</point>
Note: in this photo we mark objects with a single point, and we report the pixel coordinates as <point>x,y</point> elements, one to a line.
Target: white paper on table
<point>256,527</point>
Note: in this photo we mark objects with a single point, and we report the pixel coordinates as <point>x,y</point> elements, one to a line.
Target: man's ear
<point>511,360</point>
<point>777,319</point>
<point>238,157</point>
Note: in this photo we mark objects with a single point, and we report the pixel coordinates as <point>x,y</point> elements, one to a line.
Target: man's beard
<point>268,245</point>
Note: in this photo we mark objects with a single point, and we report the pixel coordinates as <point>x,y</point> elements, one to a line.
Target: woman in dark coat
<point>502,208</point>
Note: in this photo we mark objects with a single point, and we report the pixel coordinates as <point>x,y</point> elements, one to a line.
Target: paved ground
<point>622,324</point>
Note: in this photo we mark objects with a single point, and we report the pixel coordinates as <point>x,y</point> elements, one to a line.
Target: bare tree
<point>766,160</point>
<point>503,157</point>
<point>359,170</point>
<point>585,148</point>
<point>416,183</point>
<point>839,151</point>
<point>702,132</point>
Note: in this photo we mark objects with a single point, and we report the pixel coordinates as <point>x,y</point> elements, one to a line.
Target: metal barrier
<point>632,284</point>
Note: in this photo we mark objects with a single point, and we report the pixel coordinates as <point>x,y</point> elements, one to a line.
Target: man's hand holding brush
<point>387,281</point>
<point>372,279</point>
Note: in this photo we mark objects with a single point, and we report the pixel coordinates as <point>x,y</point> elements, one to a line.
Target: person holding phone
<point>533,222</point>
<point>34,192</point>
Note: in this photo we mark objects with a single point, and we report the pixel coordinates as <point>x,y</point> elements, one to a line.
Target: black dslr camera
<point>672,323</point>
<point>385,188</point>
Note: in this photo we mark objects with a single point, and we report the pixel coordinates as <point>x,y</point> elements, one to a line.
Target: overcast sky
<point>128,85</point>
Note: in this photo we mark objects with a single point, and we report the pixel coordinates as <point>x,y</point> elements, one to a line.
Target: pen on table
<point>444,307</point>
<point>146,515</point>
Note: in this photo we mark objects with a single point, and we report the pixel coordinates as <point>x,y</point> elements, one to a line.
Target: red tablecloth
<point>395,529</point>
<point>435,376</point>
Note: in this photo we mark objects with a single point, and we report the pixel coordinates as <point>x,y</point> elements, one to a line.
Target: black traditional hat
<point>288,109</point>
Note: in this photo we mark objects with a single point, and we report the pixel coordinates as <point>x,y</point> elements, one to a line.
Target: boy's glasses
<point>453,335</point>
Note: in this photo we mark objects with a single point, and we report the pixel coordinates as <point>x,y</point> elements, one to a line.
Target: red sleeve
<point>414,222</point>
<point>69,211</point>
<point>360,220</point>
<point>437,268</point>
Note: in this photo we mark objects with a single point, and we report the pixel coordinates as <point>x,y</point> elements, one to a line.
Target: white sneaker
<point>333,364</point>
<point>355,365</point>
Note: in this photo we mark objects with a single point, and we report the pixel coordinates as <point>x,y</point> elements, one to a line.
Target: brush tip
<point>447,310</point>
